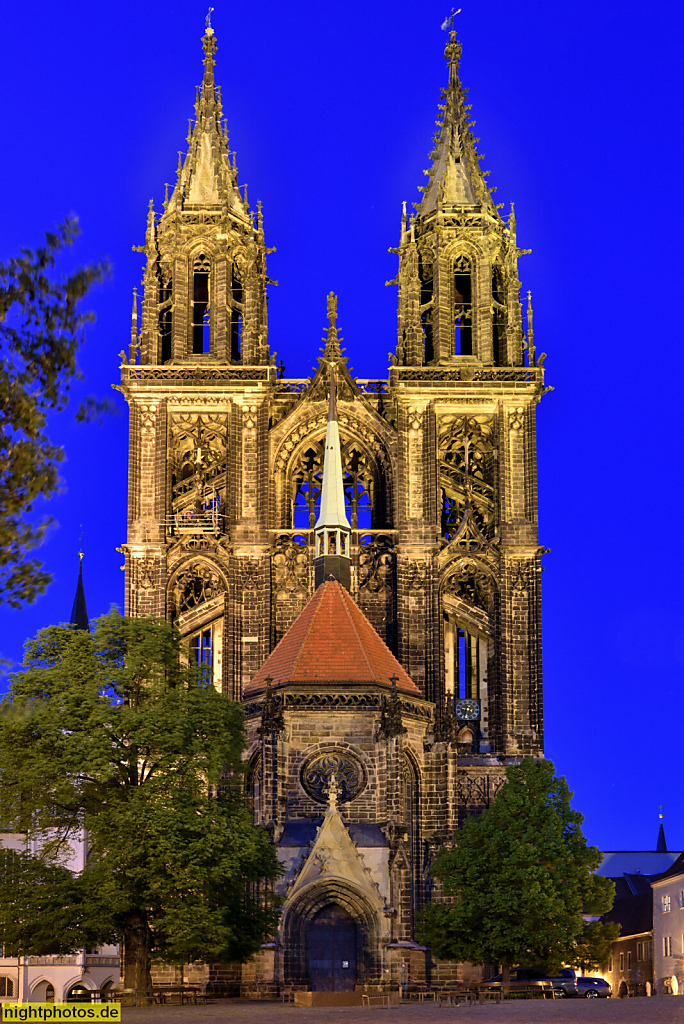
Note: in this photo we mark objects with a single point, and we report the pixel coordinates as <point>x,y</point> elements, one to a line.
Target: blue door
<point>332,951</point>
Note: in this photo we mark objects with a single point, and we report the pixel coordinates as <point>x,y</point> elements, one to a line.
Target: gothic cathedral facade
<point>361,763</point>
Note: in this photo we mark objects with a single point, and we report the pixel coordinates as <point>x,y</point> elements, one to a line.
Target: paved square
<point>660,1010</point>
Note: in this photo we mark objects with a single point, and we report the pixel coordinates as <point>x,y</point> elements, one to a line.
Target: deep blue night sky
<point>331,108</point>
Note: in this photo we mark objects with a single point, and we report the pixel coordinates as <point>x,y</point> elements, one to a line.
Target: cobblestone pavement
<point>658,1010</point>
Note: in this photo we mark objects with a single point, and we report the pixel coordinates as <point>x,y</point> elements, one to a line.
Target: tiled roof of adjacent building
<point>331,641</point>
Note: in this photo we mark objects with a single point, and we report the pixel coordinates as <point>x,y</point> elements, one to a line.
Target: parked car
<point>566,984</point>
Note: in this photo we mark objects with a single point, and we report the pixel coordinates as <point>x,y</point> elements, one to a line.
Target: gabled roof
<point>331,641</point>
<point>632,862</point>
<point>635,914</point>
<point>676,869</point>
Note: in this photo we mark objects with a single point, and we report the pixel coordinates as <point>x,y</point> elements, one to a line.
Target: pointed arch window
<point>426,304</point>
<point>498,316</point>
<point>201,319</point>
<point>463,307</point>
<point>462,661</point>
<point>165,314</point>
<point>236,314</point>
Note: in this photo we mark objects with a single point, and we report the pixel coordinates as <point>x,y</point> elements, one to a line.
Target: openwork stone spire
<point>332,530</point>
<point>205,279</point>
<point>455,175</point>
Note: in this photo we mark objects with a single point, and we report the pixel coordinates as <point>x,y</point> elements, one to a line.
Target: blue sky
<point>331,109</point>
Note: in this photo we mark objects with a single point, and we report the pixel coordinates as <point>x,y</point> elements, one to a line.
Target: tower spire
<point>332,529</point>
<point>661,845</point>
<point>455,175</point>
<point>79,614</point>
<point>206,176</point>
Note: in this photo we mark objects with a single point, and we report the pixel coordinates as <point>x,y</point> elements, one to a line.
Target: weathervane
<point>449,20</point>
<point>207,20</point>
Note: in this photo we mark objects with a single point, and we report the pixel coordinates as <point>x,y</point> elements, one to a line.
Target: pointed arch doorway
<point>332,951</point>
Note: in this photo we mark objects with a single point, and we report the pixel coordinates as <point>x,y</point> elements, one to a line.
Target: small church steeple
<point>661,846</point>
<point>332,529</point>
<point>79,613</point>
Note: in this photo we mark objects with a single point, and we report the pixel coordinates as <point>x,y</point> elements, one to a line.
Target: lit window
<point>201,648</point>
<point>666,904</point>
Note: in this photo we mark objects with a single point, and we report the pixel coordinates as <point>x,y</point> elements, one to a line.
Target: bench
<point>375,1000</point>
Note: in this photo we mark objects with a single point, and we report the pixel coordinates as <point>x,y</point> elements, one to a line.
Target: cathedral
<point>354,560</point>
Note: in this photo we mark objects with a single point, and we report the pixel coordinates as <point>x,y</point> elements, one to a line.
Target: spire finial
<point>332,342</point>
<point>79,613</point>
<point>334,793</point>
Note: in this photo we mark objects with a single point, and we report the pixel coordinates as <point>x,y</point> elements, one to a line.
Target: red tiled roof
<point>331,641</point>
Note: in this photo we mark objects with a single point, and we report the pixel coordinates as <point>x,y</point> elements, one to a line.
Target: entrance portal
<point>332,951</point>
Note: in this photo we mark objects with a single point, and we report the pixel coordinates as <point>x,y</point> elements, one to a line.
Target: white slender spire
<point>333,513</point>
<point>332,532</point>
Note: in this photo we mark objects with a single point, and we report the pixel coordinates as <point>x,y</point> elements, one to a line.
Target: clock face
<point>467,710</point>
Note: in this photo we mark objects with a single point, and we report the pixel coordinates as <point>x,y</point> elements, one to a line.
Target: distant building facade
<point>633,966</point>
<point>384,704</point>
<point>668,930</point>
<point>45,979</point>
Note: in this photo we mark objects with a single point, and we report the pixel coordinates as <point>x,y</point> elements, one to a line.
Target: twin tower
<point>416,493</point>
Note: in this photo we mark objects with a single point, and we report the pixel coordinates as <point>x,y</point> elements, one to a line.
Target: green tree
<point>113,732</point>
<point>41,329</point>
<point>519,880</point>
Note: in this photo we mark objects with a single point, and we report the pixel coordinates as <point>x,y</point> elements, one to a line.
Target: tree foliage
<point>112,732</point>
<point>41,329</point>
<point>519,881</point>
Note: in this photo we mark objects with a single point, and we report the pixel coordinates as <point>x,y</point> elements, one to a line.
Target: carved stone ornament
<point>516,419</point>
<point>520,578</point>
<point>416,574</point>
<point>317,770</point>
<point>478,789</point>
<point>290,562</point>
<point>376,563</point>
<point>145,574</point>
<point>471,584</point>
<point>194,585</point>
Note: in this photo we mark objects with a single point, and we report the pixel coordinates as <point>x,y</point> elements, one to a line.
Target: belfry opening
<point>355,561</point>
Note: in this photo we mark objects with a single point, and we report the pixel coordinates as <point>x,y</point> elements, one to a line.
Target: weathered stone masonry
<point>439,462</point>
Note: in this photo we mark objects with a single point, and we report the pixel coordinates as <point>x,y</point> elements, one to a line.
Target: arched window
<point>462,659</point>
<point>426,304</point>
<point>362,500</point>
<point>463,307</point>
<point>236,314</point>
<point>498,316</point>
<point>201,330</point>
<point>165,313</point>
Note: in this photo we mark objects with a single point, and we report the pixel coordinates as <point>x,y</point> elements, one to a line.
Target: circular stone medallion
<point>316,772</point>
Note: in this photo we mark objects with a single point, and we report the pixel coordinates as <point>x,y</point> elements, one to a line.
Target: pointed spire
<point>206,176</point>
<point>455,175</point>
<point>661,846</point>
<point>332,530</point>
<point>79,614</point>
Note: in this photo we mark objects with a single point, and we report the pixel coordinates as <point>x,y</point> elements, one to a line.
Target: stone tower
<point>439,524</point>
